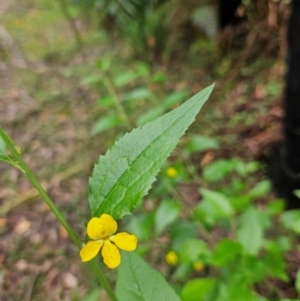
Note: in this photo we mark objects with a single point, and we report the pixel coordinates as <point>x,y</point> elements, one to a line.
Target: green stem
<point>56,212</point>
<point>112,91</point>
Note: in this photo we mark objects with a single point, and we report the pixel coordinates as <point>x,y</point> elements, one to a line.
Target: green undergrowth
<point>210,223</point>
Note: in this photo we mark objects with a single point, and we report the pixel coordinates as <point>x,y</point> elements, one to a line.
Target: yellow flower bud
<point>172,172</point>
<point>171,258</point>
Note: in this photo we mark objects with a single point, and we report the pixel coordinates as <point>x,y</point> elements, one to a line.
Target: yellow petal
<point>101,227</point>
<point>90,250</point>
<point>111,255</point>
<point>125,241</point>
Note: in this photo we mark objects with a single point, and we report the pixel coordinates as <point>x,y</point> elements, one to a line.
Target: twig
<point>64,8</point>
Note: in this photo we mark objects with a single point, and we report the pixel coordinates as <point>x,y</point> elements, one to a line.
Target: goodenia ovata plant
<point>119,180</point>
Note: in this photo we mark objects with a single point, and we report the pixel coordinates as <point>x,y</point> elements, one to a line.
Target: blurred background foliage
<point>78,74</point>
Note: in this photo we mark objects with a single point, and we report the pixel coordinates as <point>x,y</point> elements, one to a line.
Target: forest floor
<point>49,113</point>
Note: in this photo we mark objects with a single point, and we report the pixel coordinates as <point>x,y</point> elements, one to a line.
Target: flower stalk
<point>56,212</point>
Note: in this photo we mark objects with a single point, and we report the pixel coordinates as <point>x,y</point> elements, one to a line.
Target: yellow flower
<point>100,230</point>
<point>198,266</point>
<point>171,258</point>
<point>172,172</point>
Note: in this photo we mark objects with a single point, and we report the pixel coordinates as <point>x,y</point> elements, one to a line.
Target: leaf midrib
<point>125,173</point>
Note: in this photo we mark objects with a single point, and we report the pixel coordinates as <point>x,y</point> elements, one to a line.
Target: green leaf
<point>196,289</point>
<point>251,231</point>
<point>138,281</point>
<point>217,170</point>
<point>150,115</point>
<point>260,189</point>
<point>104,64</point>
<point>274,264</point>
<point>182,231</point>
<point>125,78</point>
<point>139,93</point>
<point>240,202</point>
<point>159,77</point>
<point>193,249</point>
<point>225,251</point>
<point>125,173</point>
<point>106,101</point>
<point>218,201</point>
<point>105,123</point>
<point>232,287</point>
<point>199,143</point>
<point>275,207</point>
<point>182,272</point>
<point>90,79</point>
<point>94,295</point>
<point>2,146</point>
<point>141,226</point>
<point>2,149</point>
<point>175,98</point>
<point>291,220</point>
<point>297,193</point>
<point>3,155</point>
<point>166,213</point>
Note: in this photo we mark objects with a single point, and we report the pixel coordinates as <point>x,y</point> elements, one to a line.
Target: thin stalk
<point>64,8</point>
<point>56,212</point>
<point>112,91</point>
<point>191,169</point>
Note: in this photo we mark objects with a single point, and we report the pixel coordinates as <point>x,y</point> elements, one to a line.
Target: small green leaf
<point>217,170</point>
<point>240,166</point>
<point>125,173</point>
<point>104,64</point>
<point>225,251</point>
<point>141,226</point>
<point>274,264</point>
<point>182,272</point>
<point>291,220</point>
<point>166,213</point>
<point>125,78</point>
<point>2,146</point>
<point>94,295</point>
<point>251,231</point>
<point>193,249</point>
<point>159,77</point>
<point>232,287</point>
<point>182,231</point>
<point>240,202</point>
<point>297,193</point>
<point>275,207</point>
<point>150,115</point>
<point>3,155</point>
<point>260,189</point>
<point>105,123</point>
<point>218,201</point>
<point>137,94</point>
<point>175,98</point>
<point>196,289</point>
<point>199,143</point>
<point>138,281</point>
<point>2,149</point>
<point>90,79</point>
<point>106,101</point>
